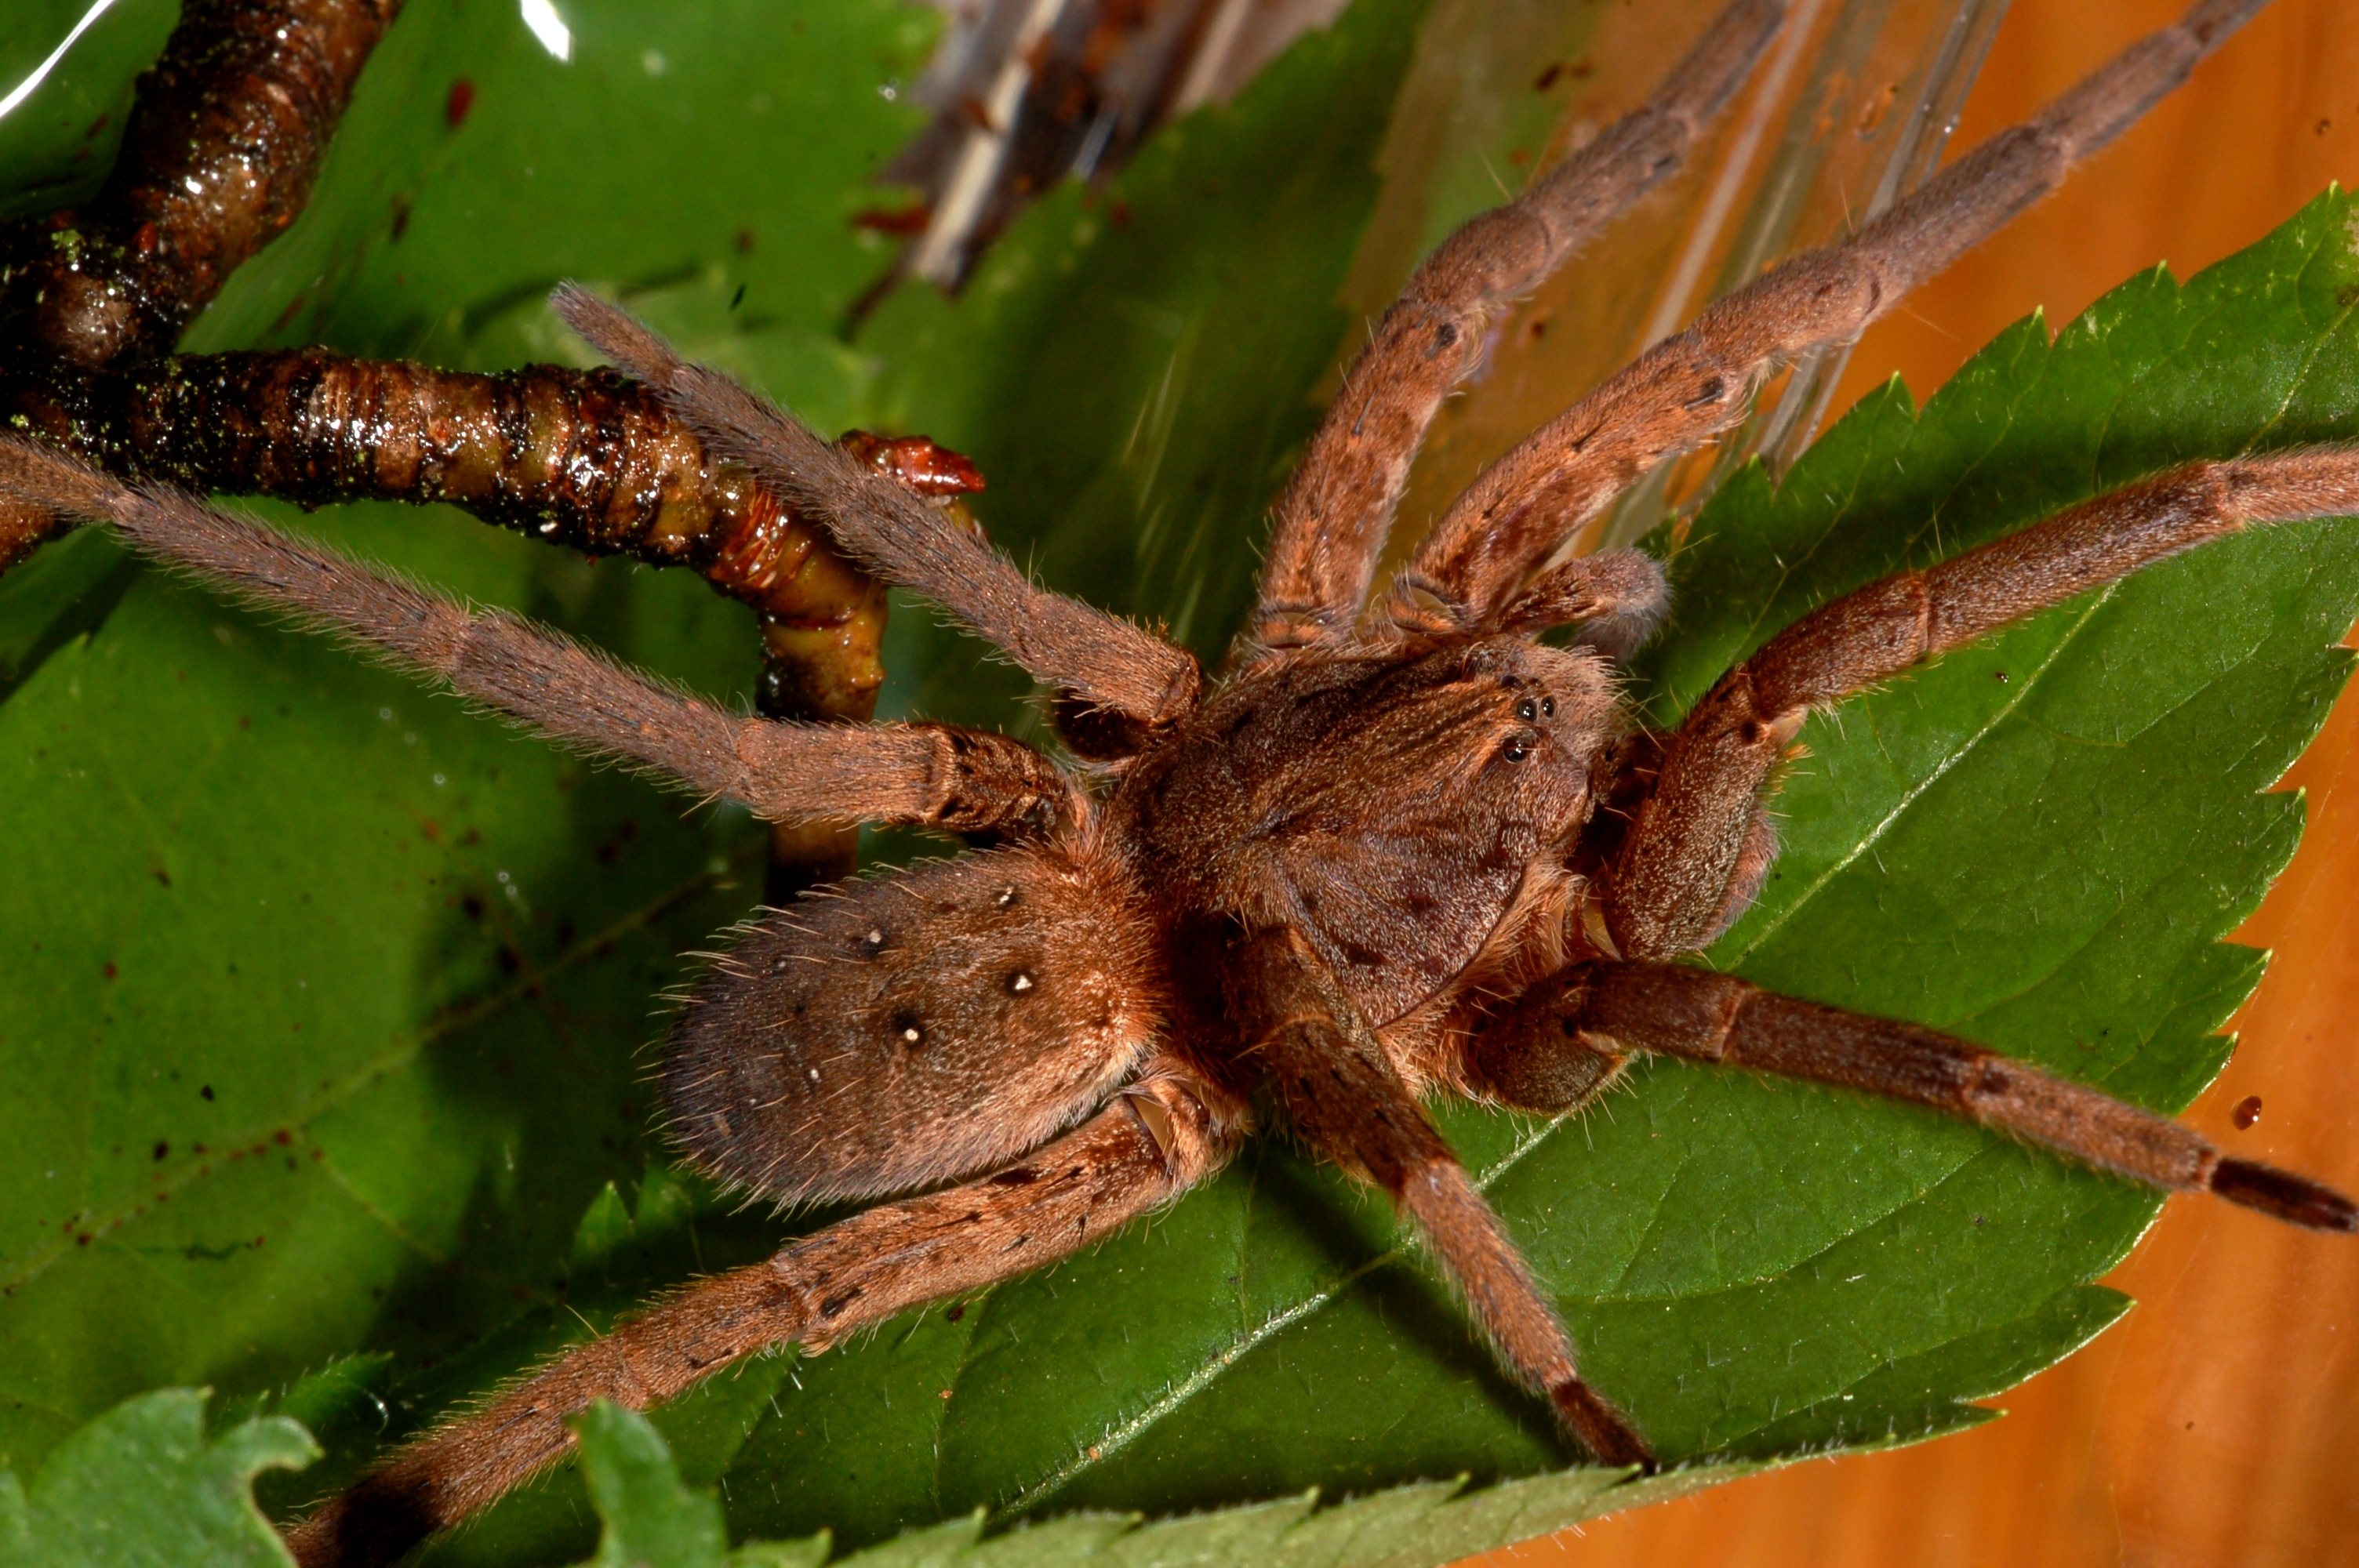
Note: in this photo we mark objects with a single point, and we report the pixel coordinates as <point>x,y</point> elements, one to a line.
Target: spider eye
<point>1528,711</point>
<point>1548,705</point>
<point>1514,750</point>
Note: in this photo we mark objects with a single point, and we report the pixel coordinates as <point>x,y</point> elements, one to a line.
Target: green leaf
<point>651,1520</point>
<point>143,1486</point>
<point>57,145</point>
<point>649,1517</point>
<point>325,1043</point>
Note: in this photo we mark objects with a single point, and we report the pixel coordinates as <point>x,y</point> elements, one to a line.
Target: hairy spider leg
<point>1103,659</point>
<point>1693,385</point>
<point>1346,1098</point>
<point>929,775</point>
<point>1161,1136</point>
<point>1332,520</point>
<point>1617,598</point>
<point>1603,1011</point>
<point>1671,885</point>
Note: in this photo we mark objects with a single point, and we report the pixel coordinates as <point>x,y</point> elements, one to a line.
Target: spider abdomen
<point>913,1029</point>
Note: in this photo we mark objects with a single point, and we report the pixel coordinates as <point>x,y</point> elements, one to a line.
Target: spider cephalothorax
<point>1388,852</point>
<point>1392,803</point>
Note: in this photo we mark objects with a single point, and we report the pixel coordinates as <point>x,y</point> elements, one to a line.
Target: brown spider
<point>1391,852</point>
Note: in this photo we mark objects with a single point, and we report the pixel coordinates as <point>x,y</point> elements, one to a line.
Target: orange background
<point>2219,1424</point>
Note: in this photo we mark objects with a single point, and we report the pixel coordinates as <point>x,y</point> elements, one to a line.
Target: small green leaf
<point>651,1520</point>
<point>606,1225</point>
<point>143,1486</point>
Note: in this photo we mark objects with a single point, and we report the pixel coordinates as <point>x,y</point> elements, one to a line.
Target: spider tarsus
<point>2283,1195</point>
<point>1601,1428</point>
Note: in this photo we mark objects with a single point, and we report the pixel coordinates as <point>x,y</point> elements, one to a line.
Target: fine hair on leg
<point>1332,520</point>
<point>1158,1137</point>
<point>1103,659</point>
<point>926,774</point>
<point>1617,598</point>
<point>1695,384</point>
<point>1346,1100</point>
<point>1608,1009</point>
<point>1671,881</point>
